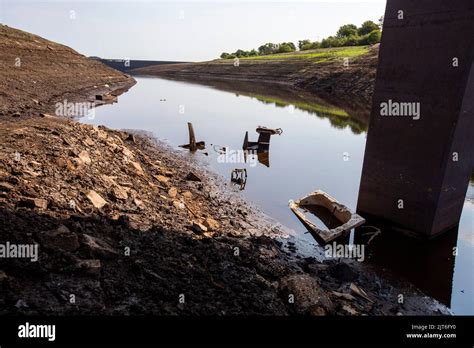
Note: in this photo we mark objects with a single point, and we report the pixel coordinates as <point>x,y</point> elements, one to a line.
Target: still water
<point>321,147</point>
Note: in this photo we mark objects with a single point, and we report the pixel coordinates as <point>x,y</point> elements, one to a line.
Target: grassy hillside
<point>318,55</point>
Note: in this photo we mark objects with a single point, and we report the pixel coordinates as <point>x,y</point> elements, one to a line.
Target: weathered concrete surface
<point>415,160</point>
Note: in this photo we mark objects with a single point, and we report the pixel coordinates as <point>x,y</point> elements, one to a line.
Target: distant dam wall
<point>127,65</point>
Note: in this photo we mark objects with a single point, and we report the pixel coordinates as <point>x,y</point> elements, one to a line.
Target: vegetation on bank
<point>368,33</point>
<point>318,55</point>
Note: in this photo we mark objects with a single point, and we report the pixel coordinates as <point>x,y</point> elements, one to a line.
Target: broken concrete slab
<point>320,199</point>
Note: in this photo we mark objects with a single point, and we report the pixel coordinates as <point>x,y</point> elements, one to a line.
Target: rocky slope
<point>36,73</point>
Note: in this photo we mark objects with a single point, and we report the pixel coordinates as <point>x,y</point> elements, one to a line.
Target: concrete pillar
<point>417,167</point>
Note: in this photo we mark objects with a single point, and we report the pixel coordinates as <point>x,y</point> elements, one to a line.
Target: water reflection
<point>239,177</point>
<point>338,118</point>
<point>341,114</point>
<point>429,265</point>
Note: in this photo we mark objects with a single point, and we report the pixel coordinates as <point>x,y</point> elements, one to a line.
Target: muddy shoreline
<point>127,226</point>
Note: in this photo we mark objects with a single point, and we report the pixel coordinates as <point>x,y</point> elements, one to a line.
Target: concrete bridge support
<point>420,143</point>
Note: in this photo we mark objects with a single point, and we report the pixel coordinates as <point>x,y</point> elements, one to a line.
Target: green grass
<point>318,55</point>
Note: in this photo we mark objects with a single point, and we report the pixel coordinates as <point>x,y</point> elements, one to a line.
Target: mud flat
<point>125,225</point>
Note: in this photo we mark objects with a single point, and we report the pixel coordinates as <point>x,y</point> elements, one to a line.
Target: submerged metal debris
<point>193,144</point>
<point>239,177</point>
<point>339,219</point>
<point>262,146</point>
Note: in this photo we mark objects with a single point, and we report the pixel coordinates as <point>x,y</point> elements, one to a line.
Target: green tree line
<point>368,33</point>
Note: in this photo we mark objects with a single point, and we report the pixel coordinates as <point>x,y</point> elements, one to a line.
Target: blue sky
<point>181,30</point>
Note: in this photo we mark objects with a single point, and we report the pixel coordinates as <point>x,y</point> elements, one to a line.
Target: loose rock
<point>309,297</point>
<point>96,199</point>
<point>61,238</point>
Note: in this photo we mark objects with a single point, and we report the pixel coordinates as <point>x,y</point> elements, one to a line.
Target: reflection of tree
<point>283,96</point>
<point>338,118</point>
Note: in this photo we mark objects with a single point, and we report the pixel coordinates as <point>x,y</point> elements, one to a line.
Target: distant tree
<point>374,37</point>
<point>347,30</point>
<point>253,53</point>
<point>367,27</point>
<point>369,33</point>
<point>292,45</point>
<point>310,46</point>
<point>370,38</point>
<point>268,48</point>
<point>332,41</point>
<point>352,40</point>
<point>240,53</point>
<point>303,43</point>
<point>285,47</point>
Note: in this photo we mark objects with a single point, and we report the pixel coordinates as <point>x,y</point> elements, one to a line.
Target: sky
<point>182,30</point>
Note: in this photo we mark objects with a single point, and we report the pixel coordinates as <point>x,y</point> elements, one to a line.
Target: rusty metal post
<point>192,137</point>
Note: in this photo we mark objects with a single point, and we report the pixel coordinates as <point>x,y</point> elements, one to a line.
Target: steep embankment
<point>324,72</point>
<point>35,73</point>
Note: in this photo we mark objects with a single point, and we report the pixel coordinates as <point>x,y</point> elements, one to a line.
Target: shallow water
<point>320,148</point>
